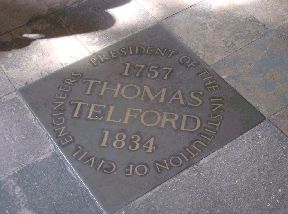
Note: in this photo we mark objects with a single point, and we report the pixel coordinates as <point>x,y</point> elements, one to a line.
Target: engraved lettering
<point>196,98</point>
<point>177,96</point>
<point>129,113</point>
<point>185,121</point>
<point>172,120</point>
<point>61,96</point>
<point>94,114</point>
<point>77,108</point>
<point>159,166</point>
<point>90,85</point>
<point>147,91</point>
<point>65,88</point>
<point>66,140</point>
<point>60,132</point>
<point>110,168</point>
<point>110,113</point>
<point>115,90</point>
<point>58,105</point>
<point>134,88</point>
<point>176,161</point>
<point>151,112</point>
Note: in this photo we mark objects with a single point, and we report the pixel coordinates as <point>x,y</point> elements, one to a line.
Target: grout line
<point>273,28</point>
<point>77,176</point>
<point>142,6</point>
<point>267,33</point>
<point>62,155</point>
<point>13,29</point>
<point>46,14</point>
<point>9,93</point>
<point>194,166</point>
<point>173,14</point>
<point>120,40</point>
<point>281,109</point>
<point>111,42</point>
<point>73,33</point>
<point>182,10</point>
<point>22,166</point>
<point>45,134</point>
<point>5,73</point>
<point>274,124</point>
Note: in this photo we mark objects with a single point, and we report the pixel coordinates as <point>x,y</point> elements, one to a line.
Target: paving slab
<point>6,86</point>
<point>280,119</point>
<point>37,49</point>
<point>15,13</point>
<point>161,9</point>
<point>250,173</point>
<point>137,113</point>
<point>271,13</point>
<point>187,192</point>
<point>105,22</point>
<point>46,186</point>
<point>22,139</point>
<point>259,72</point>
<point>214,30</point>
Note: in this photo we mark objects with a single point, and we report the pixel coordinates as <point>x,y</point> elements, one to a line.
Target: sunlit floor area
<point>244,41</point>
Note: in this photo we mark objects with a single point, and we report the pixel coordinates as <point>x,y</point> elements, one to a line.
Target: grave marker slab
<point>137,113</point>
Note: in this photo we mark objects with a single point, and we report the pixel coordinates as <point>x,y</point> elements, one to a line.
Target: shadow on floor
<point>87,16</point>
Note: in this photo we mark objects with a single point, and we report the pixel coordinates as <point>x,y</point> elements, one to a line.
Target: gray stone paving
<point>45,186</point>
<point>22,139</point>
<point>249,175</point>
<point>259,72</point>
<point>189,192</point>
<point>214,33</point>
<point>245,40</point>
<point>270,13</point>
<point>36,59</point>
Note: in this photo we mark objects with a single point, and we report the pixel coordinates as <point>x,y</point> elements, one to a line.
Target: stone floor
<point>245,41</point>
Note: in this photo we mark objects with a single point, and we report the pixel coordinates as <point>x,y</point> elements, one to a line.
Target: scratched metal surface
<point>117,189</point>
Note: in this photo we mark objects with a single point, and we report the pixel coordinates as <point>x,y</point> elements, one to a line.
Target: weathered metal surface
<point>137,113</point>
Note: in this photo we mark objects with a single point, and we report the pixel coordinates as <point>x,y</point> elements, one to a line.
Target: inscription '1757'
<point>150,71</point>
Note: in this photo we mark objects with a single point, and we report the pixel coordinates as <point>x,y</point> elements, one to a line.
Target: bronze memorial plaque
<point>137,113</point>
